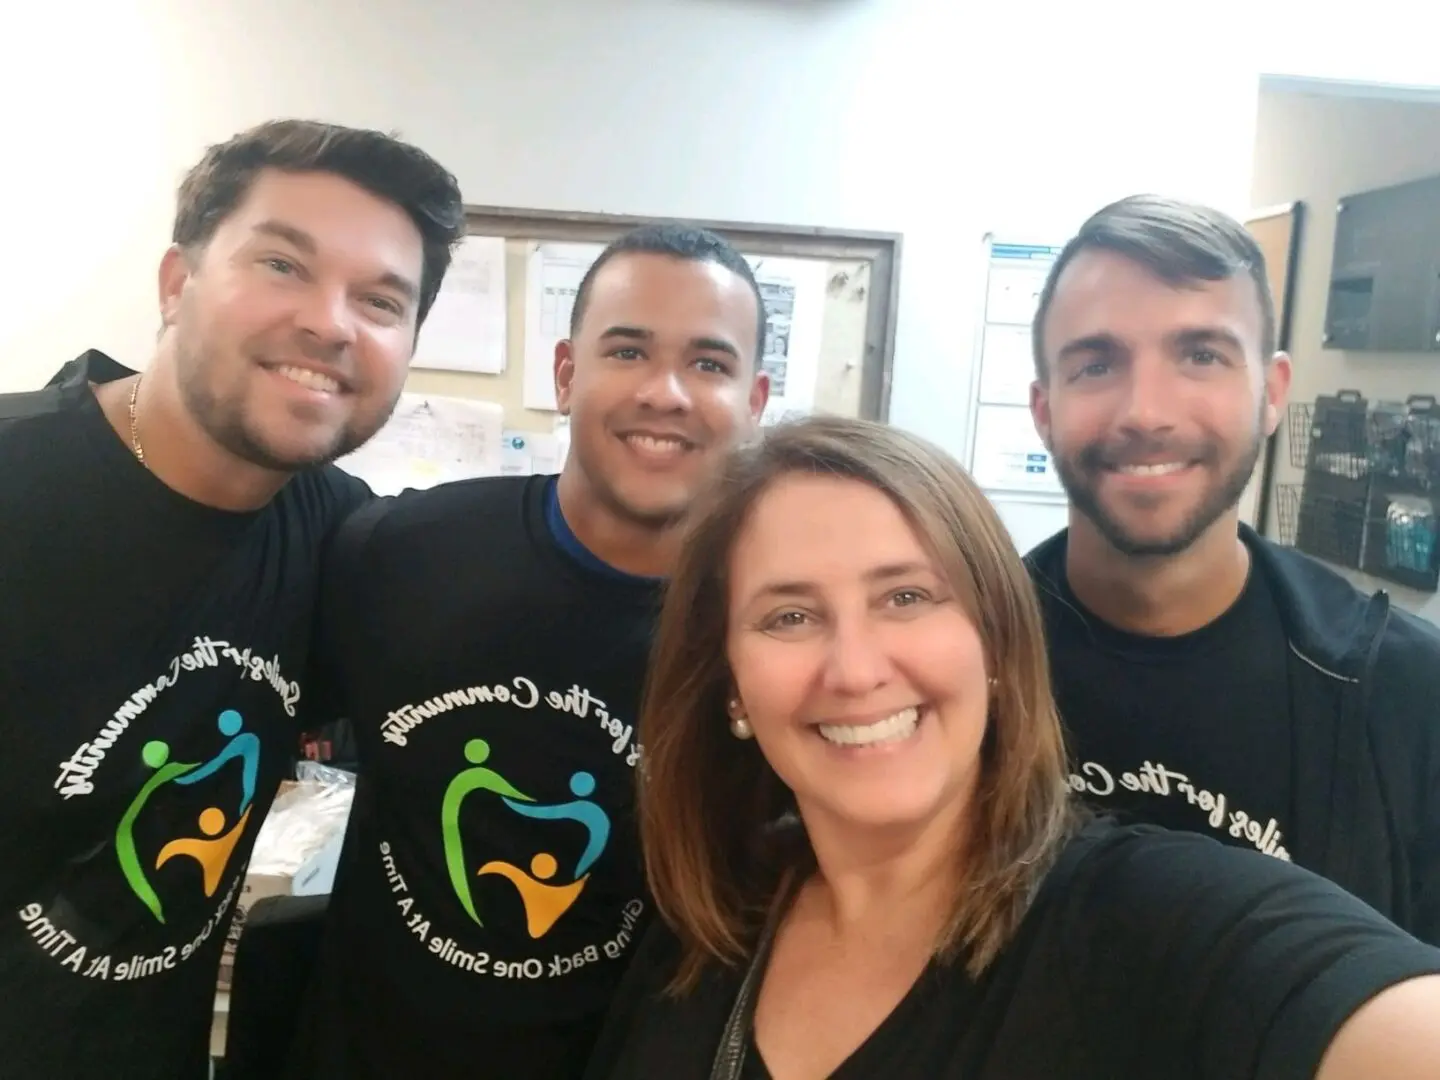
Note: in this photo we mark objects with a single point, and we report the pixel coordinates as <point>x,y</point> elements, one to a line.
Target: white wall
<point>1318,146</point>
<point>904,115</point>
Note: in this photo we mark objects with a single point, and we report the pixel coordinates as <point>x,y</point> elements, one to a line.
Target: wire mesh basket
<point>1332,435</point>
<point>1331,527</point>
<point>1405,443</point>
<point>1287,512</point>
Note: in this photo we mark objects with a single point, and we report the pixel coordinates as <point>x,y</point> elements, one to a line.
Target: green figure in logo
<point>479,778</point>
<point>156,754</point>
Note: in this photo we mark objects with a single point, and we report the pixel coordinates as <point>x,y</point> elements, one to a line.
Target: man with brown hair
<point>158,567</point>
<point>1210,680</point>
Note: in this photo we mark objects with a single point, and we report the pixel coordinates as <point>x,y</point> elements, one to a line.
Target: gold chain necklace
<point>134,427</point>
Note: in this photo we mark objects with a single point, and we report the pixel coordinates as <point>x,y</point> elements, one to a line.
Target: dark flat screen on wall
<point>1385,278</point>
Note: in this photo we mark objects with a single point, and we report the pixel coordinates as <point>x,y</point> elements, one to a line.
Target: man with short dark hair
<point>158,565</point>
<point>489,640</point>
<point>1210,680</point>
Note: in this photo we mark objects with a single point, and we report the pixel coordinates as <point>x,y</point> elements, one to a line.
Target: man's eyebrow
<point>713,344</point>
<point>400,284</point>
<point>1090,343</point>
<point>627,333</point>
<point>304,242</point>
<point>638,333</point>
<point>1191,336</point>
<point>289,233</point>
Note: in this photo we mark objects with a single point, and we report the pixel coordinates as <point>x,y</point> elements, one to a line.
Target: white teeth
<point>313,380</point>
<point>653,445</point>
<point>892,729</point>
<point>1153,470</point>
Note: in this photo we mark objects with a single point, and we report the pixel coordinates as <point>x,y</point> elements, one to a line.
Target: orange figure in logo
<point>544,903</point>
<point>212,854</point>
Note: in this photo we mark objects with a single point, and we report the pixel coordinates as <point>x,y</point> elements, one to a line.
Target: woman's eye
<point>786,620</point>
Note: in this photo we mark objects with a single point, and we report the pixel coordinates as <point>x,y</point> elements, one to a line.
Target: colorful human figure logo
<point>544,902</point>
<point>212,849</point>
<point>544,899</point>
<point>477,778</point>
<point>213,852</point>
<point>582,785</point>
<point>243,744</point>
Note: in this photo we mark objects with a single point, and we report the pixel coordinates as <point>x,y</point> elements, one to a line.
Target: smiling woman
<point>858,832</point>
<point>857,661</point>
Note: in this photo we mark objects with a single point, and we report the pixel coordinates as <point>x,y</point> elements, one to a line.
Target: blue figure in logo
<point>587,813</point>
<point>244,745</point>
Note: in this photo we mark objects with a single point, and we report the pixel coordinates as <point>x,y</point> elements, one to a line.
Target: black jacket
<point>1365,702</point>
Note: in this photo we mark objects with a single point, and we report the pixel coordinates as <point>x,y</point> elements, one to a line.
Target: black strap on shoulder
<point>28,403</point>
<point>729,1061</point>
<point>89,366</point>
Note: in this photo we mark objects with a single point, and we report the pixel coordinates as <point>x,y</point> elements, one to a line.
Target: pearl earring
<point>739,726</point>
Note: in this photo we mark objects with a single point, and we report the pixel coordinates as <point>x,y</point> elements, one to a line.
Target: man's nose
<point>1149,396</point>
<point>327,316</point>
<point>664,390</point>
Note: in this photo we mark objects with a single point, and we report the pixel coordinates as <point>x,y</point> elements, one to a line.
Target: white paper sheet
<point>794,293</point>
<point>431,440</point>
<point>515,456</point>
<point>1014,293</point>
<point>1007,365</point>
<point>465,330</point>
<point>526,452</point>
<point>1009,455</point>
<point>1006,454</point>
<point>551,279</point>
<point>562,441</point>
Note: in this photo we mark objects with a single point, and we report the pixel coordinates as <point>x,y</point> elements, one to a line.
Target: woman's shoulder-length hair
<point>709,804</point>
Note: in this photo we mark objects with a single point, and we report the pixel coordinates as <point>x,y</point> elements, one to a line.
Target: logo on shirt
<point>76,774</point>
<point>219,827</point>
<point>544,890</point>
<point>1155,780</point>
<point>567,880</point>
<point>217,786</point>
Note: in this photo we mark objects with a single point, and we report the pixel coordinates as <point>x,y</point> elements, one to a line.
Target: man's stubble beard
<point>1084,497</point>
<point>226,422</point>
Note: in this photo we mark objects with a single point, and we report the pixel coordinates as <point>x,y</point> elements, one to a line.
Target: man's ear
<point>759,395</point>
<point>175,273</point>
<point>564,374</point>
<point>1277,389</point>
<point>1040,410</point>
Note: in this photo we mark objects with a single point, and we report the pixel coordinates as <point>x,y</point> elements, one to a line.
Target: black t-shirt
<point>490,889</point>
<point>1189,732</point>
<point>1147,954</point>
<point>150,692</point>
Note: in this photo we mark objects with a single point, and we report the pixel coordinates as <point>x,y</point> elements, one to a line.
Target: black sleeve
<point>1405,723</point>
<point>1425,852</point>
<point>648,1032</point>
<point>1425,859</point>
<point>655,960</point>
<point>347,492</point>
<point>339,619</point>
<point>1196,959</point>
